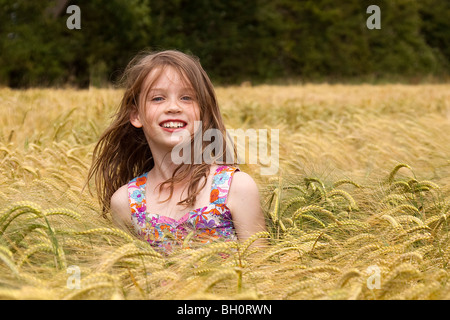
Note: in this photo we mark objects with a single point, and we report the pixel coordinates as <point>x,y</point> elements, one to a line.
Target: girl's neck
<point>163,168</point>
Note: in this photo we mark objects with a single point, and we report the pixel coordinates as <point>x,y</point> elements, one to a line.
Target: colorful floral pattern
<point>206,224</point>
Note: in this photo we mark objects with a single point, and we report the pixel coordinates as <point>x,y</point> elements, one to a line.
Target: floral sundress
<point>206,224</point>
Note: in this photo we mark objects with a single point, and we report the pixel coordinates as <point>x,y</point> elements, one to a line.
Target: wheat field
<point>359,208</point>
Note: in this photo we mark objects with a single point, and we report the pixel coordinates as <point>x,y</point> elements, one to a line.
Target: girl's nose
<point>173,106</point>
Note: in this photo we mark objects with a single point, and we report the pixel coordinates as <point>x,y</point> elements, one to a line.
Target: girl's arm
<point>120,209</point>
<point>245,206</point>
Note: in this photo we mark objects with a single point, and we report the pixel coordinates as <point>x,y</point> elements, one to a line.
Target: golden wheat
<point>355,188</point>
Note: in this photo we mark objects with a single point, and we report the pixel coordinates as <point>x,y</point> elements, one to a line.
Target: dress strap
<point>136,193</point>
<point>221,184</point>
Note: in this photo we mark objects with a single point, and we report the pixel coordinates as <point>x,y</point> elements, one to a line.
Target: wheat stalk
<point>259,235</point>
<point>6,258</point>
<point>128,250</point>
<point>301,212</point>
<point>106,231</point>
<point>210,250</point>
<point>45,247</point>
<point>346,196</point>
<point>296,287</point>
<point>217,277</point>
<point>86,289</point>
<point>345,278</point>
<point>345,181</point>
<point>405,270</point>
<point>395,170</point>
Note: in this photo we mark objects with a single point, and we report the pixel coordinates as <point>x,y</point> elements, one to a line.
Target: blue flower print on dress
<point>222,178</point>
<point>136,195</point>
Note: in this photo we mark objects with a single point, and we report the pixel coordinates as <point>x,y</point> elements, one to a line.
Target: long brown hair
<point>122,151</point>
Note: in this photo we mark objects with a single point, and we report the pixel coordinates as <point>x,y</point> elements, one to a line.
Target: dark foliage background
<point>252,40</point>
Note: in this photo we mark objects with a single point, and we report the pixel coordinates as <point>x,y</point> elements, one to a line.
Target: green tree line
<point>252,40</point>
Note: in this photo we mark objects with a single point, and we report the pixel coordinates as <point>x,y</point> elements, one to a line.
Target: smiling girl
<point>162,202</point>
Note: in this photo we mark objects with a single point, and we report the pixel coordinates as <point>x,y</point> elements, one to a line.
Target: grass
<point>362,195</point>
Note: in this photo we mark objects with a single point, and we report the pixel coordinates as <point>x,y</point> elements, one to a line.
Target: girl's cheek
<point>151,112</point>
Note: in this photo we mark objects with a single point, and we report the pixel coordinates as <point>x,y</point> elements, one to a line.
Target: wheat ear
<point>391,176</point>
<point>128,250</point>
<point>106,231</point>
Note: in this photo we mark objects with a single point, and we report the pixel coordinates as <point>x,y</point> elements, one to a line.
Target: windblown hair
<point>122,151</point>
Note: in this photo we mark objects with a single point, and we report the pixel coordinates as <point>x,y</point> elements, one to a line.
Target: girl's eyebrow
<point>185,89</point>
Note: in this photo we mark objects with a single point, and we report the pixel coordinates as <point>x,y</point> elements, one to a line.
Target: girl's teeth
<point>173,125</point>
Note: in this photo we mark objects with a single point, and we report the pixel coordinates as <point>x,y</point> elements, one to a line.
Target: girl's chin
<point>173,129</point>
<point>171,144</point>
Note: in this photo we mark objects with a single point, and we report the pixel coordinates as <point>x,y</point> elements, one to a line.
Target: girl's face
<point>169,107</point>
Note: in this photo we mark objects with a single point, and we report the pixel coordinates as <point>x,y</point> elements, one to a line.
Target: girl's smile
<point>170,106</point>
<point>172,125</point>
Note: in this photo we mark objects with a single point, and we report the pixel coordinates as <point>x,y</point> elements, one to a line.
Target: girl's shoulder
<point>120,209</point>
<point>242,182</point>
<point>118,196</point>
<point>242,188</point>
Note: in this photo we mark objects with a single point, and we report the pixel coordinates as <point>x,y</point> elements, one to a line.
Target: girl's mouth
<point>171,125</point>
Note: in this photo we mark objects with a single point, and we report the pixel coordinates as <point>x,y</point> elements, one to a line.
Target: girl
<point>160,201</point>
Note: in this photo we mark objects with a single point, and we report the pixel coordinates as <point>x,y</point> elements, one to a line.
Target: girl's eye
<point>157,99</point>
<point>187,98</point>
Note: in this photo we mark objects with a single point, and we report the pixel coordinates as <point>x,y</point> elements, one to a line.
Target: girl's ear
<point>134,118</point>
